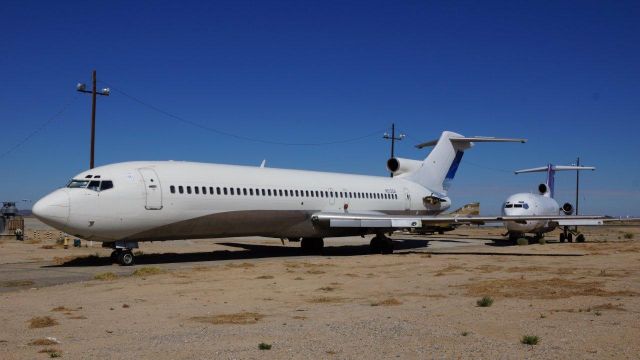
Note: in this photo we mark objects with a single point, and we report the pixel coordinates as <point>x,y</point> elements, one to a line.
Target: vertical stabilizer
<point>440,166</point>
<point>551,173</point>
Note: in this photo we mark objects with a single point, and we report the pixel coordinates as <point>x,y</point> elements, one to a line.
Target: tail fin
<point>551,173</point>
<point>440,167</point>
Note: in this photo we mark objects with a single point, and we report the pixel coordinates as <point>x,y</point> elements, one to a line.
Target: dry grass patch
<point>485,269</point>
<point>16,283</point>
<point>527,269</point>
<point>327,288</point>
<point>62,309</point>
<point>244,265</point>
<point>448,269</point>
<point>42,322</point>
<point>78,317</point>
<point>609,306</point>
<point>325,299</point>
<point>265,277</point>
<point>148,271</point>
<point>315,272</point>
<point>241,318</point>
<point>106,276</point>
<point>298,317</point>
<point>43,342</point>
<point>53,353</point>
<point>387,302</point>
<point>553,288</point>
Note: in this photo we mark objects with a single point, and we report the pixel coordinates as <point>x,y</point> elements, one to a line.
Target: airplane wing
<point>379,220</point>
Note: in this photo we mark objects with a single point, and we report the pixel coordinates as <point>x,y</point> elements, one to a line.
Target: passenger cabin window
<point>188,189</point>
<point>180,189</point>
<point>204,190</point>
<point>231,191</point>
<point>172,189</point>
<point>196,189</point>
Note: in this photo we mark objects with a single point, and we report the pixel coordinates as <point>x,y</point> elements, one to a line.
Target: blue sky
<point>565,75</point>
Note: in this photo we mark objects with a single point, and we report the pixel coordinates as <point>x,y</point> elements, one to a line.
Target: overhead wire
<point>40,128</point>
<point>234,135</point>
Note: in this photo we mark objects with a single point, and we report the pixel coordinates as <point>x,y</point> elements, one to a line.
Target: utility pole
<point>577,188</point>
<point>393,139</point>
<point>81,87</point>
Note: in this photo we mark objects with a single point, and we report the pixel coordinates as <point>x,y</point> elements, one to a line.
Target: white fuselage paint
<point>527,204</point>
<point>139,209</point>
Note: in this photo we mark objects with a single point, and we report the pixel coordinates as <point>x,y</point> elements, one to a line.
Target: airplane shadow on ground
<point>251,251</point>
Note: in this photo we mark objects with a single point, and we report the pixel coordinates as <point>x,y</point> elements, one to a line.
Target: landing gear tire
<point>580,238</point>
<point>381,245</point>
<point>562,237</point>
<point>114,256</point>
<point>126,258</point>
<point>570,237</point>
<point>312,245</point>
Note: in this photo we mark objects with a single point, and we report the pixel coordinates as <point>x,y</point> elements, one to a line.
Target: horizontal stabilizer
<point>555,168</point>
<point>469,140</point>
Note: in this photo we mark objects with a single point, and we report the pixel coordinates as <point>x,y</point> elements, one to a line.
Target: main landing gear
<point>568,235</point>
<point>312,245</point>
<point>122,253</point>
<point>381,244</point>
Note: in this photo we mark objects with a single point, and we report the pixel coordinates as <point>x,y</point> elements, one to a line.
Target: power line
<point>232,135</point>
<point>40,128</point>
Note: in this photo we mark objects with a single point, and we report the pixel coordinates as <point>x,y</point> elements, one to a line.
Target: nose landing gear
<point>381,244</point>
<point>567,235</point>
<point>122,253</point>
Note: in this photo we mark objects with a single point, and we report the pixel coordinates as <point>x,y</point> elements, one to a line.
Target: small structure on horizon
<point>11,222</point>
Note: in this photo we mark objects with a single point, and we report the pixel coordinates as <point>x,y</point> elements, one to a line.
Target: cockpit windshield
<point>78,183</point>
<point>95,185</point>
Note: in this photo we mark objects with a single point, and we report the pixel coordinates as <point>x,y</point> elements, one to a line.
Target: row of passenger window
<point>278,192</point>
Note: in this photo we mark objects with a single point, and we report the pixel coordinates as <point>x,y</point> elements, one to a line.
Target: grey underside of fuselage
<point>268,223</point>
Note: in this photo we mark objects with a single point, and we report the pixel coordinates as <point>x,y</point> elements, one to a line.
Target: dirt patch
<point>42,322</point>
<point>328,288</point>
<point>315,272</point>
<point>241,318</point>
<point>553,288</point>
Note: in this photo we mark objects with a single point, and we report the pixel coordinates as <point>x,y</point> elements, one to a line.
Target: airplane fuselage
<point>527,204</point>
<point>168,200</point>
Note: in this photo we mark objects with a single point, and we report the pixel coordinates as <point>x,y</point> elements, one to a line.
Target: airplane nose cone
<point>53,209</point>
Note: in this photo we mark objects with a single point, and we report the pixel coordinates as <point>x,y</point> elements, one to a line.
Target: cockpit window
<point>94,185</point>
<point>517,205</point>
<point>78,184</point>
<point>525,205</point>
<point>106,185</point>
<point>508,206</point>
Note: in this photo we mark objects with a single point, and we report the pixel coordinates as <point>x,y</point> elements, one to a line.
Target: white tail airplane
<point>125,203</point>
<point>527,204</point>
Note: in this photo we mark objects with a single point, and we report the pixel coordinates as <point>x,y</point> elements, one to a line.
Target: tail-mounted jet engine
<point>542,188</point>
<point>400,166</point>
<point>567,209</point>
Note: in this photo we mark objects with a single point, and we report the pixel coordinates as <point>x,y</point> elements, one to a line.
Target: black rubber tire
<point>126,258</point>
<point>312,245</point>
<point>114,256</point>
<point>580,238</point>
<point>562,237</point>
<point>375,246</point>
<point>570,237</point>
<point>387,246</point>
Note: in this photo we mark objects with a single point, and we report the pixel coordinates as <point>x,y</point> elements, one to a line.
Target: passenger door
<point>152,188</point>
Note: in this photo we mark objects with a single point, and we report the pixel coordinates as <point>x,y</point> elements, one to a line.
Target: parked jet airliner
<point>125,203</point>
<point>527,204</point>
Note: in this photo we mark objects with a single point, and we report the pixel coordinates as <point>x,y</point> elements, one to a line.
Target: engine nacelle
<point>400,166</point>
<point>543,189</point>
<point>567,209</point>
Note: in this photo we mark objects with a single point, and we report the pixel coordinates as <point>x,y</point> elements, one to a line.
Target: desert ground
<point>228,298</point>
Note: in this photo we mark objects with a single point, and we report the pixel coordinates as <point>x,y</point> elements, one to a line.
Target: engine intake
<point>542,188</point>
<point>400,166</point>
<point>567,209</point>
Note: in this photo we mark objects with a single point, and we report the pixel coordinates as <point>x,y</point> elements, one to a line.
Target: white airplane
<point>125,203</point>
<point>527,204</point>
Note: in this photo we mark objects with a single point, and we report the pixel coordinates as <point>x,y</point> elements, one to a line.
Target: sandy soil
<point>581,300</point>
